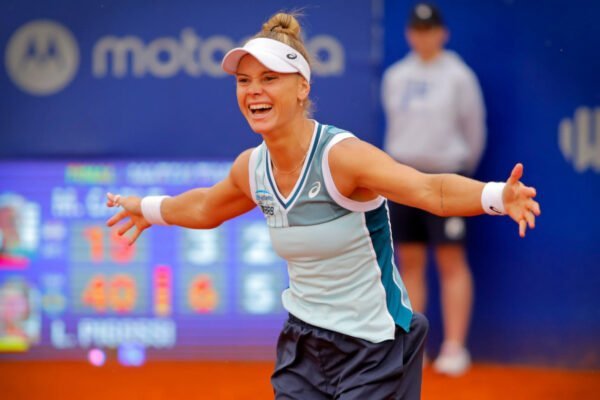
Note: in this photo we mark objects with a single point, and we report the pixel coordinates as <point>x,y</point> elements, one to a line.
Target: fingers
<point>516,174</point>
<point>526,216</point>
<point>116,218</point>
<point>522,227</point>
<point>527,219</point>
<point>113,200</point>
<point>133,238</point>
<point>534,207</point>
<point>125,227</point>
<point>530,218</point>
<point>529,191</point>
<point>529,204</point>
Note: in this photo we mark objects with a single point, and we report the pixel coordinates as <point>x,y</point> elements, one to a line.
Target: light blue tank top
<point>339,251</point>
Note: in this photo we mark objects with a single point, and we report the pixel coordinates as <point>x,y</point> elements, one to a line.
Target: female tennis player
<point>351,333</point>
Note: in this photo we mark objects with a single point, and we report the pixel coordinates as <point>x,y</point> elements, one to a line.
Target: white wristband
<point>491,198</point>
<point>151,209</point>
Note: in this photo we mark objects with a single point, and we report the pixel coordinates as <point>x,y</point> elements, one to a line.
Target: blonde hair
<point>285,28</point>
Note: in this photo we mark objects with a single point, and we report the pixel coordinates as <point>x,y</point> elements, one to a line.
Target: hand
<point>132,209</point>
<point>518,201</point>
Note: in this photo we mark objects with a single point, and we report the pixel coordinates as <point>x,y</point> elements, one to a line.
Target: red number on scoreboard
<point>118,293</point>
<point>122,293</point>
<point>120,250</point>
<point>202,296</point>
<point>94,295</point>
<point>95,236</point>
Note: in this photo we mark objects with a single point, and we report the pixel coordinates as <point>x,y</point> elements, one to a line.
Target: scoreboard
<point>69,284</point>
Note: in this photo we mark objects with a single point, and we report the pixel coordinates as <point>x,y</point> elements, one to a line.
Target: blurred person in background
<point>436,124</point>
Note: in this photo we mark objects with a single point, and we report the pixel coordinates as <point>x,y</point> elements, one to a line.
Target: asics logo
<point>314,190</point>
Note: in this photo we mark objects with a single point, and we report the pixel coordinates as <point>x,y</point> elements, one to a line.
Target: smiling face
<point>269,100</point>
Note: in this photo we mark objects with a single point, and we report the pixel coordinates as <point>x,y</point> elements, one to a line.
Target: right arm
<point>201,208</point>
<point>207,208</point>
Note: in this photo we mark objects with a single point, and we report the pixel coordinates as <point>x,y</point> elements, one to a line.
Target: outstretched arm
<point>202,208</point>
<point>358,167</point>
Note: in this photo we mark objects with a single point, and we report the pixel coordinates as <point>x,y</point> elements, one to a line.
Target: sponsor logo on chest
<point>266,202</point>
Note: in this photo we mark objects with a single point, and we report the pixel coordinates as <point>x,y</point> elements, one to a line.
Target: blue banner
<point>105,78</point>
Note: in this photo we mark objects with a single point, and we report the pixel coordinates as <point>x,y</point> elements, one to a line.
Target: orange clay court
<point>250,380</point>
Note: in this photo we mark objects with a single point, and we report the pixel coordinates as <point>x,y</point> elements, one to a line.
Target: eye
<point>269,78</point>
<point>242,80</point>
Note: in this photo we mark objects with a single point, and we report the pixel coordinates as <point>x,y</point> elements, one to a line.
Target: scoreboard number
<point>202,295</point>
<point>117,293</point>
<point>119,249</point>
<point>202,246</point>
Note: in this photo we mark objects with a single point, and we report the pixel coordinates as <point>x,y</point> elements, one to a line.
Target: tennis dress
<point>339,251</point>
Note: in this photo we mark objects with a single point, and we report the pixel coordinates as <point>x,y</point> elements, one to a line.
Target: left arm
<point>360,169</point>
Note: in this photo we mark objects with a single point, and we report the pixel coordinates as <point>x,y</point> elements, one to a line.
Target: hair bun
<point>285,28</point>
<point>283,23</point>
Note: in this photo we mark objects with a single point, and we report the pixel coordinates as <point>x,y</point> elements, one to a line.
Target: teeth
<point>254,107</point>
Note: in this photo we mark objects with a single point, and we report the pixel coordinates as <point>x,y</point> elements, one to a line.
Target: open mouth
<point>259,109</point>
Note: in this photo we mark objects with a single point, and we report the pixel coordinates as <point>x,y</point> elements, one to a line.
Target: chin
<point>260,127</point>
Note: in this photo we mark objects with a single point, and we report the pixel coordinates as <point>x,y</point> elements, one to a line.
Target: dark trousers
<point>315,363</point>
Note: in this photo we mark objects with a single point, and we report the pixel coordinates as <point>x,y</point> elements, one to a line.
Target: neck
<point>429,57</point>
<point>289,144</point>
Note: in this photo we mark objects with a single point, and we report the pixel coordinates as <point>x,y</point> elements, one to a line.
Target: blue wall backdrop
<point>141,79</point>
<point>536,299</point>
<point>147,79</point>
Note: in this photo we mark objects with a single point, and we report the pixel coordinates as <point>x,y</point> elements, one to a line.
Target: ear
<point>303,88</point>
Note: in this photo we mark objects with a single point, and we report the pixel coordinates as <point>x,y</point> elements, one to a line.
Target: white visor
<point>273,54</point>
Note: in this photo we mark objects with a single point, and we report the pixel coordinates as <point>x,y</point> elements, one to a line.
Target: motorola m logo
<point>42,57</point>
<point>579,139</point>
<point>193,55</point>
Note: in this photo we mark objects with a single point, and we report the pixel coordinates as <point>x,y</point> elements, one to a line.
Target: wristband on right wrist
<point>491,198</point>
<point>151,209</point>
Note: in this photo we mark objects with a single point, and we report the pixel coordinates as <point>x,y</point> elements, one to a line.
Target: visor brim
<point>233,57</point>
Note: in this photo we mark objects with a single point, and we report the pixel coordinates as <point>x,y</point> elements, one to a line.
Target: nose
<point>255,87</point>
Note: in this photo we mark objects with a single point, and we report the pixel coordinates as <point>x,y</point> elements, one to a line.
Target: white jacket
<point>435,114</point>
